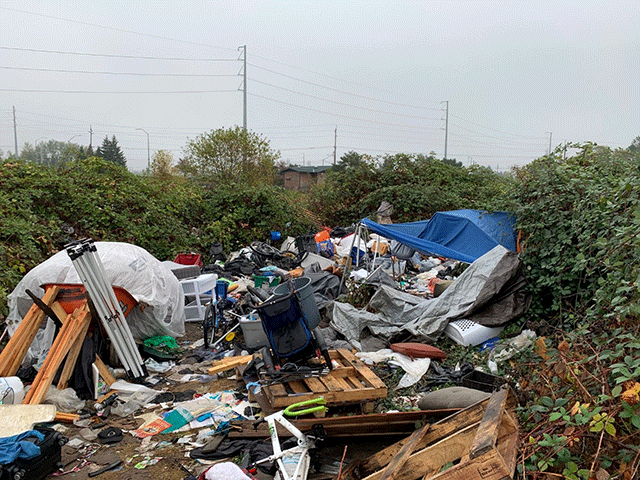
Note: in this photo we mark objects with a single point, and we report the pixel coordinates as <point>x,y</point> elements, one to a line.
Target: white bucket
<point>11,390</point>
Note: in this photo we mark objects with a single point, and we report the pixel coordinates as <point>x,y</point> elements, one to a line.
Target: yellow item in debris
<point>291,410</point>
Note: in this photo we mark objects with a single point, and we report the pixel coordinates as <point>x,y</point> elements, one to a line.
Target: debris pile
<point>279,370</point>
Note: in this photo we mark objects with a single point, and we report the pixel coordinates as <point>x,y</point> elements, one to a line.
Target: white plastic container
<point>11,390</point>
<point>254,335</point>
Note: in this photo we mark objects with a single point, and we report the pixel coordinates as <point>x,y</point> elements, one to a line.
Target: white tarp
<point>127,266</point>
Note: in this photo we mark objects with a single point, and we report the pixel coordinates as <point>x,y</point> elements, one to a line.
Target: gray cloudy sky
<point>513,73</point>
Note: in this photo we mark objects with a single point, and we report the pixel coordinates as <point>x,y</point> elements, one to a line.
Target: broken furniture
<point>479,442</point>
<point>198,292</point>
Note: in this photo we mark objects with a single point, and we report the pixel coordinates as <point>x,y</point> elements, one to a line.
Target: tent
<point>463,235</point>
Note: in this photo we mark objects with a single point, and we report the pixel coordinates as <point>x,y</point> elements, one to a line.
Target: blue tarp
<point>463,235</point>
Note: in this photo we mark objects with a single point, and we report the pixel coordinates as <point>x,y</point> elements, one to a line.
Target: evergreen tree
<point>110,151</point>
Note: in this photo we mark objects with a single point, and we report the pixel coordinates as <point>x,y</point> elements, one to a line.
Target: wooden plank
<point>72,357</point>
<point>432,458</point>
<point>55,346</point>
<point>370,378</point>
<point>69,332</point>
<point>315,385</point>
<point>443,428</point>
<point>59,310</point>
<point>488,466</point>
<point>299,387</point>
<point>229,363</point>
<point>104,371</point>
<point>488,430</point>
<point>13,354</point>
<point>396,465</point>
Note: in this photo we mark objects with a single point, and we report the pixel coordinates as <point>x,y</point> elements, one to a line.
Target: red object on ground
<point>418,350</point>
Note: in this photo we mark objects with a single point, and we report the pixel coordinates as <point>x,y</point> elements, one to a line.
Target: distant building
<point>301,179</point>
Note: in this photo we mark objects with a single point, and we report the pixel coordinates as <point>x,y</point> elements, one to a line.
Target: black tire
<point>208,324</point>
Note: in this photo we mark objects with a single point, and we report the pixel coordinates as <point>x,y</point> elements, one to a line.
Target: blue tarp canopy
<point>463,235</point>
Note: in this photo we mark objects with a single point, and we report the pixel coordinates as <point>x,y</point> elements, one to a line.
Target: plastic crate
<point>482,381</point>
<point>189,259</point>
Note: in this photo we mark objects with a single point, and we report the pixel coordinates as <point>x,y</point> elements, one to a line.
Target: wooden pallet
<point>481,441</point>
<point>351,382</point>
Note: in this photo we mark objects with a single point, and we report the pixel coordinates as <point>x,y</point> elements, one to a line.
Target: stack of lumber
<point>67,344</point>
<point>13,354</point>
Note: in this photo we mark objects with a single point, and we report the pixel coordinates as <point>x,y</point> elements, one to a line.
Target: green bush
<point>580,219</point>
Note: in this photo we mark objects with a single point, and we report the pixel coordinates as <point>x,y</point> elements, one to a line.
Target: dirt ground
<point>173,461</point>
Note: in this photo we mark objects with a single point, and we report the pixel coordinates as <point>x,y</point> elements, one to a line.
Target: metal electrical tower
<point>446,127</point>
<point>335,144</point>
<point>244,85</point>
<point>15,131</point>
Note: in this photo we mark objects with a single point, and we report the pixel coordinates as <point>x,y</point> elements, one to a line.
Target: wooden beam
<point>397,464</point>
<point>229,363</point>
<point>488,430</point>
<point>13,354</point>
<point>70,331</point>
<point>72,356</point>
<point>104,371</point>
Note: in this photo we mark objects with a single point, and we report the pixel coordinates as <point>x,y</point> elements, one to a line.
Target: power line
<point>493,129</point>
<point>334,78</point>
<point>25,90</point>
<point>54,70</point>
<point>341,91</point>
<point>341,103</point>
<point>115,29</point>
<point>327,113</point>
<point>107,55</point>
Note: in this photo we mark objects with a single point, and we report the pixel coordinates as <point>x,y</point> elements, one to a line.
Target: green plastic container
<point>262,281</point>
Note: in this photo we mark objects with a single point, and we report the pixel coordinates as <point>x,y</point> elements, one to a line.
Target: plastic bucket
<point>304,293</point>
<point>11,390</point>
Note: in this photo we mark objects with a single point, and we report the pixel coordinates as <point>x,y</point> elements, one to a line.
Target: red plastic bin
<point>189,259</point>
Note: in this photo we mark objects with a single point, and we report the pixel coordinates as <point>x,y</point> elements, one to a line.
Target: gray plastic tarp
<point>491,288</point>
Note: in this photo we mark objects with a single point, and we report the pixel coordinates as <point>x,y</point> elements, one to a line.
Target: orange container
<point>322,236</point>
<point>72,295</point>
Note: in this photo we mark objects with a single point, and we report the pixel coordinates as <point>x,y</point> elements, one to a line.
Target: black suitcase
<point>49,460</point>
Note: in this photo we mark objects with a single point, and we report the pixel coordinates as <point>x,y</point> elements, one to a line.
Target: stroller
<point>292,342</point>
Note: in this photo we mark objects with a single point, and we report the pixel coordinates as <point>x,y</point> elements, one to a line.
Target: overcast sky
<point>372,77</point>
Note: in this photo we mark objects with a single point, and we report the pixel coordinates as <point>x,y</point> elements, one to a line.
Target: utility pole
<point>148,150</point>
<point>550,134</point>
<point>244,86</point>
<point>335,145</point>
<point>446,128</point>
<point>90,138</point>
<point>15,132</point>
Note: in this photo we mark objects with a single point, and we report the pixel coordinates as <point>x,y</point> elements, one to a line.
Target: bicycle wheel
<point>264,249</point>
<point>208,324</point>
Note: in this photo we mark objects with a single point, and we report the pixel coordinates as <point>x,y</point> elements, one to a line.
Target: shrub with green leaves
<point>580,219</point>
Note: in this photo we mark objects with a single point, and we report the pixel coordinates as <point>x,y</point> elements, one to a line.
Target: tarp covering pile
<point>463,235</point>
<point>490,292</point>
<point>127,266</point>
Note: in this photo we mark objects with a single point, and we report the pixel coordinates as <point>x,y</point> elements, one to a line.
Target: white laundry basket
<point>466,332</point>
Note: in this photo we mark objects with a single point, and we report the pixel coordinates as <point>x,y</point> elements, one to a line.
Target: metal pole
<point>121,321</point>
<point>75,252</point>
<point>148,149</point>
